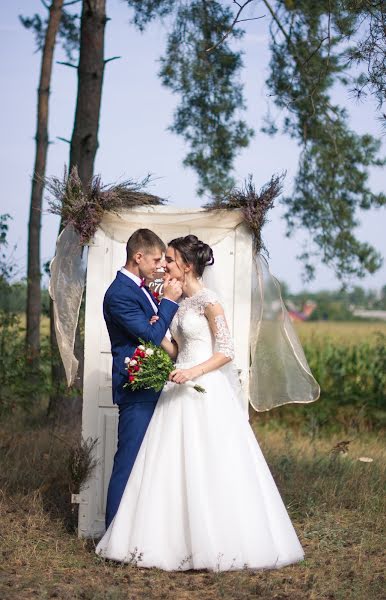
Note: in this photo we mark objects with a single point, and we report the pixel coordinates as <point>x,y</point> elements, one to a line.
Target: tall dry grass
<point>335,501</point>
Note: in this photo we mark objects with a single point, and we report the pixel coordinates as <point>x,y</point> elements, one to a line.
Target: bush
<point>20,384</point>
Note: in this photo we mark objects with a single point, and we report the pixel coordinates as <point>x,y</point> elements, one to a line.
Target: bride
<point>200,495</point>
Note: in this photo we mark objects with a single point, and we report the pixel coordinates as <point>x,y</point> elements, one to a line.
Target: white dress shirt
<point>138,281</point>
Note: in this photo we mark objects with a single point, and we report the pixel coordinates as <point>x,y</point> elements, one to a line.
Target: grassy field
<point>335,500</point>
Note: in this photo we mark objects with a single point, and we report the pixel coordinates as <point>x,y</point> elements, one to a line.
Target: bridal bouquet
<point>150,367</point>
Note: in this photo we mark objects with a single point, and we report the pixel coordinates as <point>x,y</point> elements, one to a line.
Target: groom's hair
<point>143,240</point>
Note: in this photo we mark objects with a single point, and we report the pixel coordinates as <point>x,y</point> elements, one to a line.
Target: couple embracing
<point>190,488</point>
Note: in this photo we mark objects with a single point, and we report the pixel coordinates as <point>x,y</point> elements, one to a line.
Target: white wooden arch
<point>99,419</point>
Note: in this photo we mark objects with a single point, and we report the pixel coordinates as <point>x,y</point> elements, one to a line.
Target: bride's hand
<point>153,320</point>
<point>182,375</point>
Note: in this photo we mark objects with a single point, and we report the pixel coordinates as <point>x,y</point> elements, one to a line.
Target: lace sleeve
<point>207,297</point>
<point>222,336</point>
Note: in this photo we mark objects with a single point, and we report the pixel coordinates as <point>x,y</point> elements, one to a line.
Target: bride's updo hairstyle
<point>194,252</point>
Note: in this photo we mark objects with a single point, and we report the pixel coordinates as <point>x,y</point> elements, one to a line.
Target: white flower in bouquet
<point>150,367</point>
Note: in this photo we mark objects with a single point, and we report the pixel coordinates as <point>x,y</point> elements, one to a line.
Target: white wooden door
<point>100,417</point>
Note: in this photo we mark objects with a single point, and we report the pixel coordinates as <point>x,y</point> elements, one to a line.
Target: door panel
<point>100,416</point>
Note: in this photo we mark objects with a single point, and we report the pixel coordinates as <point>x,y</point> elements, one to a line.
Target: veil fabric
<point>278,369</point>
<point>67,281</point>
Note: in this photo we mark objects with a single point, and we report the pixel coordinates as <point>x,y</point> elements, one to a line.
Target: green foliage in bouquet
<point>154,368</point>
<point>150,367</point>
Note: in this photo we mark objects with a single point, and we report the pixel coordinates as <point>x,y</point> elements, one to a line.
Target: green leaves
<point>331,185</point>
<point>154,369</point>
<point>208,85</point>
<point>151,369</point>
<point>68,31</point>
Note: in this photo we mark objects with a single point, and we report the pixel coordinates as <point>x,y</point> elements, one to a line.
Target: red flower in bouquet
<point>149,368</point>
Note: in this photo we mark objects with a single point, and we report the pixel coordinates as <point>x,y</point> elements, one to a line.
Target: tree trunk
<point>84,141</point>
<point>34,225</point>
<point>65,407</point>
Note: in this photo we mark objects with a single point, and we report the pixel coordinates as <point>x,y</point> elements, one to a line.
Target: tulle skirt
<point>200,495</point>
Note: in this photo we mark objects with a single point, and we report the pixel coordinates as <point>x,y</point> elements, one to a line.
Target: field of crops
<point>348,359</point>
<point>349,362</point>
<point>349,333</point>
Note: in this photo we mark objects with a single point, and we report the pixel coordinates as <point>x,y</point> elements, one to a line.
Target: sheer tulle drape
<point>279,372</point>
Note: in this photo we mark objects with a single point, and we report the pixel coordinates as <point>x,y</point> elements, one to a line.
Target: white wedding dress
<point>200,495</point>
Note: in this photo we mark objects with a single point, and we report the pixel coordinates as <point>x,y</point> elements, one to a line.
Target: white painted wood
<point>242,304</point>
<point>100,416</point>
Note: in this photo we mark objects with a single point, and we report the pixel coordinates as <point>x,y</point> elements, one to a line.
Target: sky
<point>134,139</point>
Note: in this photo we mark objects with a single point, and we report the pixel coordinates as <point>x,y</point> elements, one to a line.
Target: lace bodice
<point>191,330</point>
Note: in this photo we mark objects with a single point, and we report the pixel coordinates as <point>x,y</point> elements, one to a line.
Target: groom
<point>128,307</point>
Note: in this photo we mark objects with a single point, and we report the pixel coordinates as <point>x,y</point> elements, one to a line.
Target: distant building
<point>380,315</point>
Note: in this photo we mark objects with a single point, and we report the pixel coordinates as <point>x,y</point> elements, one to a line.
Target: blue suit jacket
<point>127,312</point>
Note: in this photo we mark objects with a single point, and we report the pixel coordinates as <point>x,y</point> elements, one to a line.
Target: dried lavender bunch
<point>81,463</point>
<point>254,205</point>
<point>83,207</point>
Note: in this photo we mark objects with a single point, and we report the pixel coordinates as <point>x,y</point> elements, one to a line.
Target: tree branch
<point>235,21</point>
<point>45,4</point>
<point>62,139</point>
<point>251,19</point>
<point>72,2</point>
<point>278,23</point>
<point>66,64</point>
<point>112,58</point>
<point>291,47</point>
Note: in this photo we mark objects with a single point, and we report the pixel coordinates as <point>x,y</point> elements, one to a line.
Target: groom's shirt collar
<point>132,276</point>
<point>138,281</point>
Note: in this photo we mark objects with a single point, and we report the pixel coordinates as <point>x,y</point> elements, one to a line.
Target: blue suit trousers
<point>134,418</point>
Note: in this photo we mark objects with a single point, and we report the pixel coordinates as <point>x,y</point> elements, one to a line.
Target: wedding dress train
<point>200,495</point>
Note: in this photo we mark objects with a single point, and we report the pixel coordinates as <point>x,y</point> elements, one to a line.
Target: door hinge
<point>79,499</point>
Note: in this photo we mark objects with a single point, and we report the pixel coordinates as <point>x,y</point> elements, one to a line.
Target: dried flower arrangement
<point>84,208</point>
<point>81,463</point>
<point>254,205</point>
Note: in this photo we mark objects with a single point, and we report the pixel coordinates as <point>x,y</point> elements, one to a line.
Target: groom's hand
<point>172,289</point>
